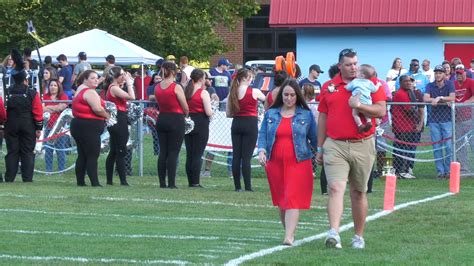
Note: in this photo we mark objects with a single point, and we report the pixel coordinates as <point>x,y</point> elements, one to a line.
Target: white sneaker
<point>358,242</point>
<point>333,240</point>
<point>206,174</point>
<point>407,176</point>
<point>410,171</point>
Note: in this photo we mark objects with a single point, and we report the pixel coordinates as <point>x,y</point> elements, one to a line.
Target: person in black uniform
<point>24,123</point>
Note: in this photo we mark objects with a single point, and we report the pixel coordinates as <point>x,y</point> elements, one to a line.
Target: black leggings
<point>86,133</point>
<point>20,138</point>
<point>170,128</point>
<point>196,142</point>
<point>244,137</point>
<point>118,149</point>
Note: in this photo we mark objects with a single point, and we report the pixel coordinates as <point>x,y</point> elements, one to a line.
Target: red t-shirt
<point>464,91</point>
<point>167,99</point>
<point>248,105</point>
<point>340,124</point>
<point>81,109</point>
<point>120,103</point>
<point>54,115</point>
<point>195,103</point>
<point>405,118</point>
<point>139,88</point>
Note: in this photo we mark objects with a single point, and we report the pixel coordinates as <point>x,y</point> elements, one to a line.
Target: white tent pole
<point>140,130</point>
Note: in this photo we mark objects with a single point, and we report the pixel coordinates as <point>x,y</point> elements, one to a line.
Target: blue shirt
<point>420,81</point>
<point>315,83</point>
<point>66,73</point>
<point>440,113</point>
<point>221,83</point>
<point>303,128</point>
<point>364,87</point>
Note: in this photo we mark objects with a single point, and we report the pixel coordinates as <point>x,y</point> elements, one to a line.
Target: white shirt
<point>393,74</point>
<point>429,74</point>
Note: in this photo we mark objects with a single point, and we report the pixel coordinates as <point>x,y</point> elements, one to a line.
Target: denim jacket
<point>303,128</point>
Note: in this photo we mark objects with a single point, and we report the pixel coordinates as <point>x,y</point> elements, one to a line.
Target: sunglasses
<point>414,65</point>
<point>346,52</point>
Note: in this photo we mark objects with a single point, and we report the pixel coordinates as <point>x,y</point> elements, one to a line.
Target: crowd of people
<point>338,134</point>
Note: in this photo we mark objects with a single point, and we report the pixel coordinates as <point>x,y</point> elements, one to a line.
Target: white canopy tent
<point>97,44</point>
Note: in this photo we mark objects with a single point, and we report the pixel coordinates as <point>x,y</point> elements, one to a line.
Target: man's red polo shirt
<point>340,124</point>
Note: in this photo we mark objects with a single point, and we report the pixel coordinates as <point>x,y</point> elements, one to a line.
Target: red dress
<point>291,182</point>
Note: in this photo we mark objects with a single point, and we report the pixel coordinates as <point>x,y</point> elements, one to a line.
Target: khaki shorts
<point>344,161</point>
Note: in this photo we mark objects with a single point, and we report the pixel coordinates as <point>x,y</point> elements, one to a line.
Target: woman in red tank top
<point>199,103</point>
<point>87,126</point>
<point>170,126</point>
<point>54,92</point>
<point>242,106</point>
<point>116,78</point>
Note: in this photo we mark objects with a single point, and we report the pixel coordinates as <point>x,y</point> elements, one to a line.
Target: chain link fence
<point>419,136</point>
<point>416,138</point>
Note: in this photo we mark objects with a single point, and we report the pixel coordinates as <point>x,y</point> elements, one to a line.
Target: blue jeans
<point>441,131</point>
<point>59,143</point>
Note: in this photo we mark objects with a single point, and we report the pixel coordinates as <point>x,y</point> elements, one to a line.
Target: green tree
<point>179,27</point>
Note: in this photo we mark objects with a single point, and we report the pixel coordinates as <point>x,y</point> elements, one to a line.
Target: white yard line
<point>132,236</point>
<point>169,201</point>
<point>146,217</point>
<point>91,260</point>
<point>343,228</point>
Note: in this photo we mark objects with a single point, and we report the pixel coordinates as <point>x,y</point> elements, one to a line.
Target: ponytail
<point>233,100</point>
<point>195,76</point>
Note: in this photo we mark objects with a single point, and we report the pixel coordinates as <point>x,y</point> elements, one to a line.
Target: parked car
<point>268,64</point>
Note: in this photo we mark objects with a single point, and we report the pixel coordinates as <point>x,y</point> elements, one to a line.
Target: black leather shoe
<point>172,187</point>
<point>196,185</point>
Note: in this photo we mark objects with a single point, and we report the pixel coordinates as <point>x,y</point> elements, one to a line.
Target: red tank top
<point>195,103</point>
<point>121,103</point>
<point>167,99</point>
<point>248,105</point>
<point>81,109</point>
<point>54,115</point>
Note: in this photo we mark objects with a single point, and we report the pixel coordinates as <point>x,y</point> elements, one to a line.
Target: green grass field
<point>53,222</point>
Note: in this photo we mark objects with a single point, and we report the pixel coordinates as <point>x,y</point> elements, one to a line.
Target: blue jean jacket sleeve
<point>312,135</point>
<point>262,134</point>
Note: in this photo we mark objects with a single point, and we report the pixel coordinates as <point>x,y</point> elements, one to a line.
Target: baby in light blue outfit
<point>364,86</point>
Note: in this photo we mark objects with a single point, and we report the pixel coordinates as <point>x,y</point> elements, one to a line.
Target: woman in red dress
<point>287,132</point>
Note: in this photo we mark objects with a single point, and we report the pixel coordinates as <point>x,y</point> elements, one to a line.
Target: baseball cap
<point>224,61</point>
<point>439,68</point>
<point>315,68</point>
<point>405,75</point>
<point>82,55</point>
<point>159,62</point>
<point>170,57</point>
<point>110,58</point>
<point>460,69</point>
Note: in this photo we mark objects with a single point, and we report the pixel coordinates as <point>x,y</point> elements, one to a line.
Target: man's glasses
<point>346,52</point>
<point>414,65</point>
